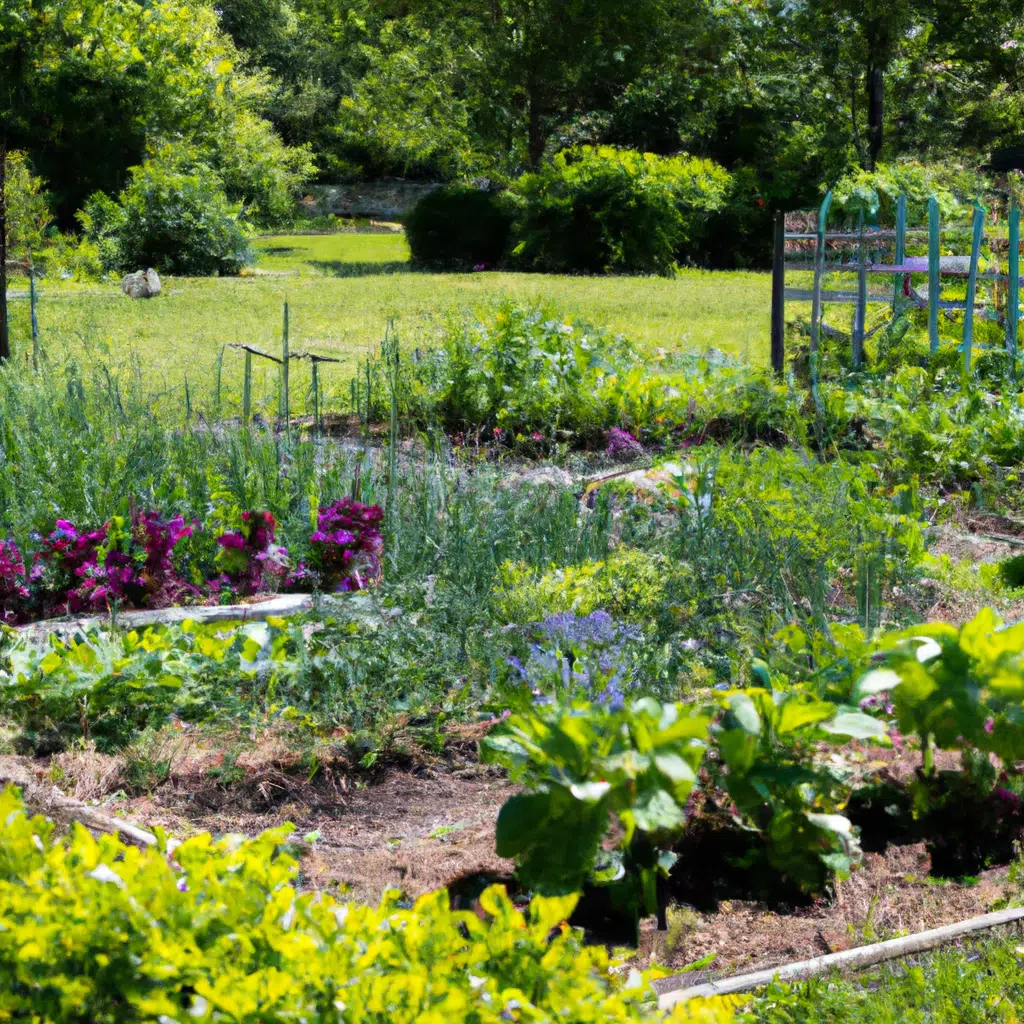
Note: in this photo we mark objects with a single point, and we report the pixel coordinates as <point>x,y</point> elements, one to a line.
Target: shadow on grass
<point>340,268</point>
<point>277,250</point>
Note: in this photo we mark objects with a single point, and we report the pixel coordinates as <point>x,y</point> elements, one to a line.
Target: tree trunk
<point>536,139</point>
<point>876,114</point>
<point>5,340</point>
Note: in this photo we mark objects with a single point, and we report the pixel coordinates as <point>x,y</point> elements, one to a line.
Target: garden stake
<point>316,398</point>
<point>32,311</point>
<point>901,248</point>
<point>284,372</point>
<point>972,283</point>
<point>933,275</point>
<point>1013,292</point>
<point>247,388</point>
<point>819,270</point>
<point>860,311</point>
<point>216,394</point>
<point>779,295</point>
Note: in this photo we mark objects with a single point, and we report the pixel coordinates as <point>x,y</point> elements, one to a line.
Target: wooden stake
<point>901,249</point>
<point>247,388</point>
<point>861,309</point>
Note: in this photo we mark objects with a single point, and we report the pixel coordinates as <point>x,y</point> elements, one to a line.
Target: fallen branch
<point>864,956</point>
<point>54,804</point>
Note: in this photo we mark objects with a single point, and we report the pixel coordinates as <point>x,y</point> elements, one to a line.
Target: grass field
<point>343,288</point>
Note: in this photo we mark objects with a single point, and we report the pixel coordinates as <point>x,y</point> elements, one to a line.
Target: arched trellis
<point>900,269</point>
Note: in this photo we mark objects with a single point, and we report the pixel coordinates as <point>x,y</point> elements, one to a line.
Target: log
<point>863,956</point>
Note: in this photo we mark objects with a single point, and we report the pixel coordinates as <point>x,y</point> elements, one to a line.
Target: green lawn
<point>343,288</point>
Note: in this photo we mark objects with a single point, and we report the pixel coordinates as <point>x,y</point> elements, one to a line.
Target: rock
<point>143,284</point>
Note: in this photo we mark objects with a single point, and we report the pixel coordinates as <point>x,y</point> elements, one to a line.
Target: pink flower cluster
<point>14,594</point>
<point>133,563</point>
<point>347,545</point>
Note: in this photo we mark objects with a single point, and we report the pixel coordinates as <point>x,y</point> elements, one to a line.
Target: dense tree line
<point>258,97</point>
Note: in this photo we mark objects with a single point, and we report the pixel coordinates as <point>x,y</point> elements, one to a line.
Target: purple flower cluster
<point>248,558</point>
<point>132,563</point>
<point>347,545</point>
<point>14,595</point>
<point>623,446</point>
<point>576,654</point>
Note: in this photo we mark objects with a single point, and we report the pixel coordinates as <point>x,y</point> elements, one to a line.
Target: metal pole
<point>284,371</point>
<point>247,389</point>
<point>32,310</point>
<point>860,314</point>
<point>819,270</point>
<point>1013,292</point>
<point>933,275</point>
<point>778,337</point>
<point>901,248</point>
<point>972,285</point>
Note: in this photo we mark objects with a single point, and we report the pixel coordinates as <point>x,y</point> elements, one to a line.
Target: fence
<point>882,253</point>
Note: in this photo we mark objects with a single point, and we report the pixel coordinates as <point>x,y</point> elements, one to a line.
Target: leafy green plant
<point>606,210</point>
<point>172,217</point>
<point>220,931</point>
<point>460,226</point>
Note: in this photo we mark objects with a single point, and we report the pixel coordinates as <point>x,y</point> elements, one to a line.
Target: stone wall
<point>380,200</point>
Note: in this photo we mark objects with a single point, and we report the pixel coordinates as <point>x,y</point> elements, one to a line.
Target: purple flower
<point>623,446</point>
<point>990,724</point>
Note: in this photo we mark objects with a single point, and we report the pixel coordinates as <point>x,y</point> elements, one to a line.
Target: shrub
<point>604,210</point>
<point>460,225</point>
<point>94,930</point>
<point>631,585</point>
<point>174,219</point>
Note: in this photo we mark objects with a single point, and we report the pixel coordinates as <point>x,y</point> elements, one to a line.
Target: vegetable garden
<point>714,636</point>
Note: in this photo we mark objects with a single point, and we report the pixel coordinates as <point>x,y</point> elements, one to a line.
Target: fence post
<point>247,389</point>
<point>316,396</point>
<point>933,275</point>
<point>860,315</point>
<point>33,319</point>
<point>779,295</point>
<point>901,247</point>
<point>284,406</point>
<point>819,270</point>
<point>1013,291</point>
<point>972,284</point>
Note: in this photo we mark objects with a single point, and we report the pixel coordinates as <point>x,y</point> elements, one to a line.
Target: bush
<point>93,930</point>
<point>460,225</point>
<point>173,218</point>
<point>605,210</point>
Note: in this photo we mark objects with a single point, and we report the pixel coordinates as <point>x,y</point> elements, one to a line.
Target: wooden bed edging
<point>863,956</point>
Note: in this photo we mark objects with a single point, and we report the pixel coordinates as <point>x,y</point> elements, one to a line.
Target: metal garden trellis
<point>900,269</point>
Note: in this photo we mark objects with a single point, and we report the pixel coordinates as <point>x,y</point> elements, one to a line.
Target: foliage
<point>585,765</point>
<point>220,931</point>
<point>601,210</point>
<point>27,207</point>
<point>175,220</point>
<point>977,982</point>
<point>460,226</point>
<point>632,585</point>
<point>874,193</point>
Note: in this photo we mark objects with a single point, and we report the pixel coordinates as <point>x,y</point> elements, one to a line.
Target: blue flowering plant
<point>584,656</point>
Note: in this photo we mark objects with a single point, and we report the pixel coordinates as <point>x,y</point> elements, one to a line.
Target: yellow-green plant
<point>218,931</point>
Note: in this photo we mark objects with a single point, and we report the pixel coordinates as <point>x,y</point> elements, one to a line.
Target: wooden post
<point>901,248</point>
<point>1013,292</point>
<point>861,310</point>
<point>220,374</point>
<point>247,389</point>
<point>972,284</point>
<point>933,275</point>
<point>779,295</point>
<point>819,271</point>
<point>285,409</point>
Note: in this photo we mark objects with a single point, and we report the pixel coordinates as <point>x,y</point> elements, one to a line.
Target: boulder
<point>143,284</point>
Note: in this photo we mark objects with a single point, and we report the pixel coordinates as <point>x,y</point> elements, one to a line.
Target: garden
<point>518,605</point>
